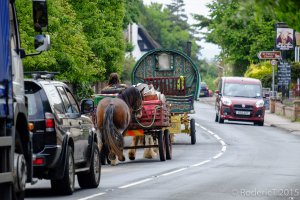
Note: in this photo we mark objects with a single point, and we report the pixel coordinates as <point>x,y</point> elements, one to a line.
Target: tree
<point>132,13</point>
<point>70,53</point>
<point>169,34</point>
<point>282,10</point>
<point>177,13</point>
<point>240,38</point>
<point>102,22</point>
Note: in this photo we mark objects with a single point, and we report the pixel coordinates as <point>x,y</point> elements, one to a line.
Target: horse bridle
<point>141,106</point>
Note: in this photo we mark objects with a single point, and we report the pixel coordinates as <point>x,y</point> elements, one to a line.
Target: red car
<point>240,99</point>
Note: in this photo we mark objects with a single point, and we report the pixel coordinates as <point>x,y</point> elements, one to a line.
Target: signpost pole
<point>273,63</point>
<point>273,77</point>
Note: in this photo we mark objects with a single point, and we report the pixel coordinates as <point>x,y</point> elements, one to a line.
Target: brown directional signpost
<point>272,55</point>
<point>269,55</point>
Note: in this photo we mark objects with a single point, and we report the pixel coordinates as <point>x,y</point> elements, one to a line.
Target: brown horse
<point>113,117</point>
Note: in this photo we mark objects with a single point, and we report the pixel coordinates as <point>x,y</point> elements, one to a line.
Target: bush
<point>261,71</point>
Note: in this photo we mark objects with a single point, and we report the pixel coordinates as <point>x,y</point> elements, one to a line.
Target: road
<point>229,161</point>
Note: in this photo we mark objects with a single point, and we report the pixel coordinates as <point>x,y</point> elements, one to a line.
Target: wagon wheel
<point>168,145</point>
<point>193,131</point>
<point>161,146</point>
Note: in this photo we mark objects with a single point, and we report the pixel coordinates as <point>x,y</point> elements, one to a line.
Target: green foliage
<point>87,40</point>
<point>102,21</point>
<point>167,28</point>
<point>261,71</point>
<point>208,71</point>
<point>70,54</point>
<point>132,13</point>
<point>281,10</point>
<point>240,38</point>
<point>128,66</point>
<point>295,72</point>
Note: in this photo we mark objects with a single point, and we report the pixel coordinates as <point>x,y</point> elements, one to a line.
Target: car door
<point>85,125</point>
<point>73,119</point>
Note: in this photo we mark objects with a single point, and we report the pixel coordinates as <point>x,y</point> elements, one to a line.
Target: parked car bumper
<point>204,93</point>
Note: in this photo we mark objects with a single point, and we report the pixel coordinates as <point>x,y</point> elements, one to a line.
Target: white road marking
<point>173,172</point>
<point>224,147</point>
<point>92,196</point>
<point>218,155</point>
<point>135,183</point>
<point>201,163</point>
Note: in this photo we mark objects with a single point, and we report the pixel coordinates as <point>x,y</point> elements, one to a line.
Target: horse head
<point>133,97</point>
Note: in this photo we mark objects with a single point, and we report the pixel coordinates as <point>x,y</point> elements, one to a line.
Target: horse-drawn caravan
<point>175,75</point>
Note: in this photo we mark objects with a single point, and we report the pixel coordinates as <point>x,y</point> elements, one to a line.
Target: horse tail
<point>112,137</point>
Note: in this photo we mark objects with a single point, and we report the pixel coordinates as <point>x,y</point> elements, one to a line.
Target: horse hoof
<point>122,159</point>
<point>131,158</point>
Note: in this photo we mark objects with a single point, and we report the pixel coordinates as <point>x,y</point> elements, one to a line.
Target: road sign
<point>269,55</point>
<point>284,74</point>
<point>273,62</point>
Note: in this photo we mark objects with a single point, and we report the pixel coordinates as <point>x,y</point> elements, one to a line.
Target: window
<point>72,101</point>
<point>65,99</point>
<point>242,90</point>
<point>164,61</point>
<point>54,99</point>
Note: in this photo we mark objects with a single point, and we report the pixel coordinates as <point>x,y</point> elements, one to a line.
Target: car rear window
<point>35,105</point>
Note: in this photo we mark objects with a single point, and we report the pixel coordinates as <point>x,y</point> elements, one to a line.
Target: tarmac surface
<point>271,119</point>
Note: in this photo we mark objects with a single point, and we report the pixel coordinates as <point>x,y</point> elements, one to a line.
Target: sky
<point>197,7</point>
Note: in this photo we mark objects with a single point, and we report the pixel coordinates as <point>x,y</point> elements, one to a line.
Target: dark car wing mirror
<point>40,15</point>
<point>87,106</point>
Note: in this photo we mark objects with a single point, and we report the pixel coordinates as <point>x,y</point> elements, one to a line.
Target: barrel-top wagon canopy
<point>168,63</point>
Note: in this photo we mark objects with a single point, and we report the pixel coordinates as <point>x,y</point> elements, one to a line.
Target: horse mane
<point>132,97</point>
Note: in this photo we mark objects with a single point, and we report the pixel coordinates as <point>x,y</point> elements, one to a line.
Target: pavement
<point>271,119</point>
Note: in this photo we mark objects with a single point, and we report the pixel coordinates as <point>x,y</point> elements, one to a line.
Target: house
<point>138,36</point>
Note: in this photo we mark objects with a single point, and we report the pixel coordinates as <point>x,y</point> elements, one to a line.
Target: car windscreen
<point>242,90</point>
<point>203,85</point>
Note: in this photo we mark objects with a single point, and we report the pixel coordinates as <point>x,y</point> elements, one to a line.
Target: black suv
<point>64,138</point>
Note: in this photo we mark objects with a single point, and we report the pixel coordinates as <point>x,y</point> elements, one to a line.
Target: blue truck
<point>15,138</point>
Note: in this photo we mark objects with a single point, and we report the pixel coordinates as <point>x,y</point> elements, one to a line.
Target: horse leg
<point>113,158</point>
<point>172,138</point>
<point>149,152</point>
<point>155,149</point>
<point>131,152</point>
<point>121,158</point>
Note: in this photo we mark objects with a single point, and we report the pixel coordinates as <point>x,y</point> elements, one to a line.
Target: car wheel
<point>216,118</point>
<point>259,123</point>
<point>92,178</point>
<point>65,186</point>
<point>220,120</point>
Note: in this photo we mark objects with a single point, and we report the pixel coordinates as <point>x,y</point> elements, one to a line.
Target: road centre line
<point>201,163</point>
<point>135,183</point>
<point>182,169</point>
<point>92,196</point>
<point>224,147</point>
<point>173,172</point>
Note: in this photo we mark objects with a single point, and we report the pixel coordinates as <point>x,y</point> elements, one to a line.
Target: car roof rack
<point>42,74</point>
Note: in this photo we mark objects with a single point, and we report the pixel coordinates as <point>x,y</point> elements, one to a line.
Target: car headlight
<point>226,101</point>
<point>260,103</point>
